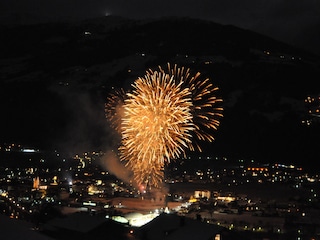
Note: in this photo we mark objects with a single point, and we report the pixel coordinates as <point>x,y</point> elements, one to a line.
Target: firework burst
<point>206,110</point>
<point>157,121</point>
<point>147,174</point>
<point>114,109</point>
<point>166,113</point>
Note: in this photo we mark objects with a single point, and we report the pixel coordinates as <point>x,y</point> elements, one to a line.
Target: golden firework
<point>114,108</point>
<point>157,121</point>
<point>206,106</point>
<point>166,113</point>
<point>147,174</point>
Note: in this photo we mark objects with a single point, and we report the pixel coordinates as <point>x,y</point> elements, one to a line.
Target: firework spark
<point>114,108</point>
<point>147,174</point>
<point>157,122</point>
<point>205,105</point>
<point>165,114</point>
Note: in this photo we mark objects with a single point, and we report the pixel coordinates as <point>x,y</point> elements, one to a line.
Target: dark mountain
<point>55,78</point>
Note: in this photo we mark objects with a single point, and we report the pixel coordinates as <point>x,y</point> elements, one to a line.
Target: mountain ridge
<point>56,76</point>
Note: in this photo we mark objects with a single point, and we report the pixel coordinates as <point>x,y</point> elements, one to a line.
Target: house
<point>19,230</point>
<point>174,227</point>
<point>83,226</point>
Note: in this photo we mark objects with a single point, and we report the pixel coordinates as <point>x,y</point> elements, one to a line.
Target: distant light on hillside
<point>28,150</point>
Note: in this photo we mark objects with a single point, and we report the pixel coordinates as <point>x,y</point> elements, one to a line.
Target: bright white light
<point>119,219</point>
<point>141,220</point>
<point>28,150</point>
<point>89,204</point>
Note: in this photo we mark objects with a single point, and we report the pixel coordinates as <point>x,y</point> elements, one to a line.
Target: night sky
<point>76,120</point>
<point>293,21</point>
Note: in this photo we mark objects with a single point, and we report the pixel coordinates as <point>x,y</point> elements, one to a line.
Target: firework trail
<point>167,112</point>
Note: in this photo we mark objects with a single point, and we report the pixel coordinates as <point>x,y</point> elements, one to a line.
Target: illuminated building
<point>36,183</point>
<point>202,194</point>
